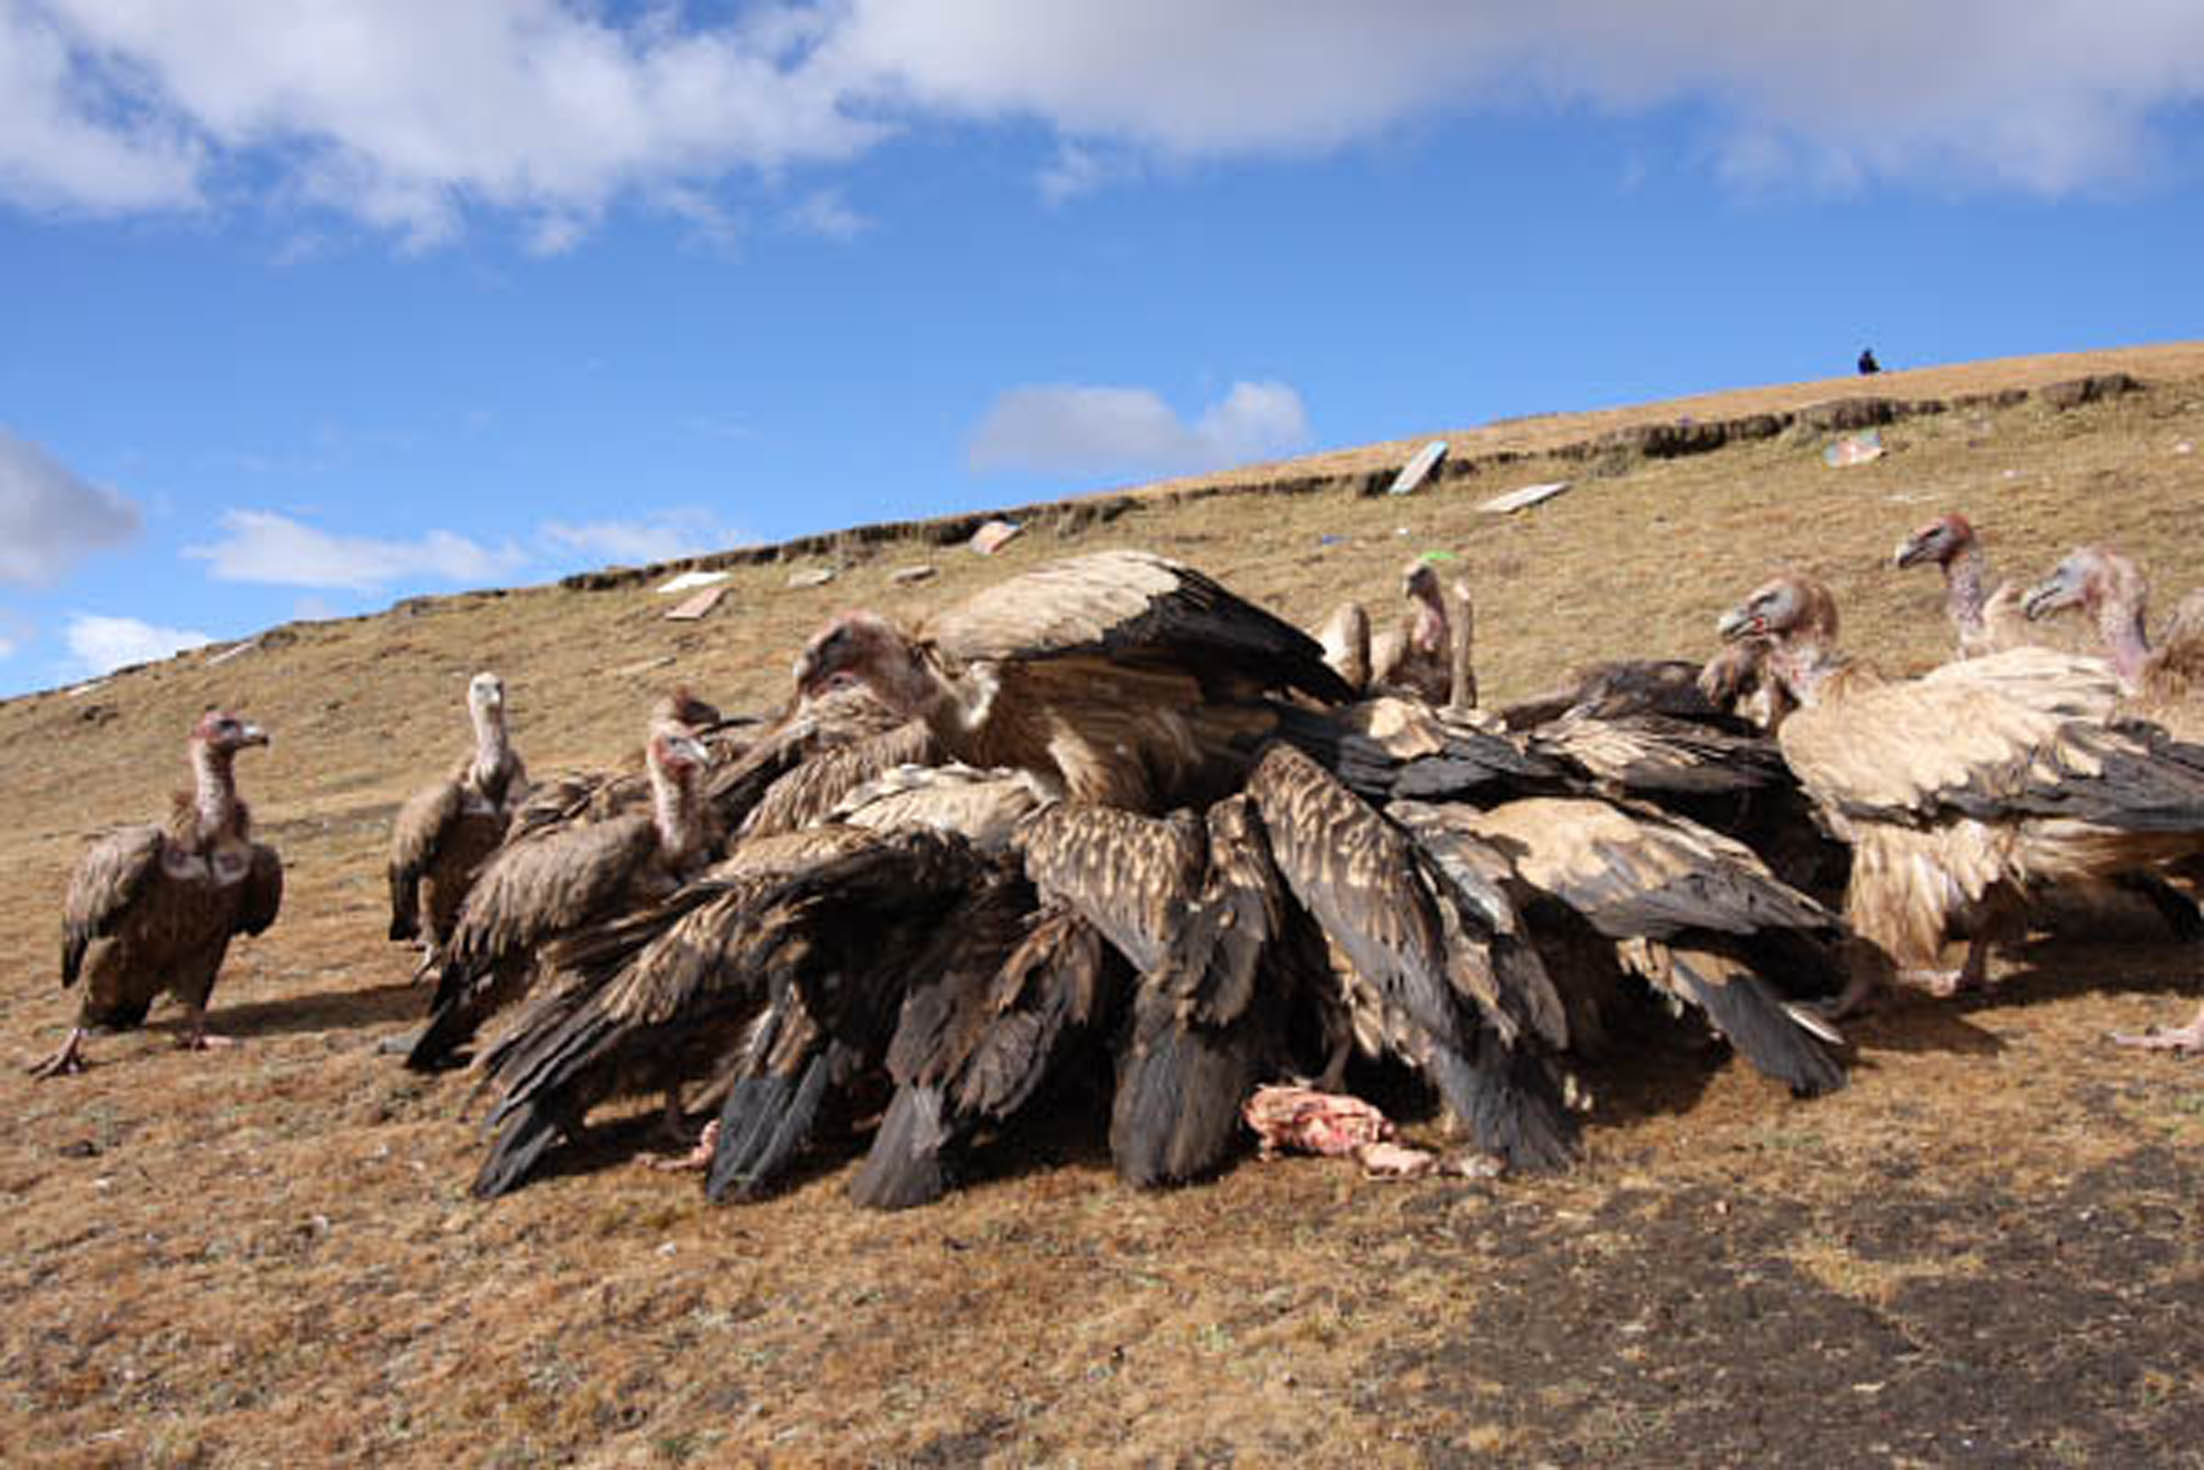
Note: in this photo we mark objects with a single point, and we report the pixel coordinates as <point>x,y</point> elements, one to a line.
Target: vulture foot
<point>697,1158</point>
<point>2188,1040</point>
<point>1861,992</point>
<point>65,1062</point>
<point>196,1037</point>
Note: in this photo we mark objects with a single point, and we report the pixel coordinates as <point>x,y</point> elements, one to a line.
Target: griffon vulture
<point>444,832</point>
<point>1962,790</point>
<point>152,909</point>
<point>1120,677</point>
<point>540,886</point>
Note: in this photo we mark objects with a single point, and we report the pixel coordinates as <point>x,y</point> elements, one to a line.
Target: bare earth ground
<point>1985,1251</point>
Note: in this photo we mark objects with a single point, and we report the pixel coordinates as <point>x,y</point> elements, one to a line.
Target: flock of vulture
<point>1106,831</point>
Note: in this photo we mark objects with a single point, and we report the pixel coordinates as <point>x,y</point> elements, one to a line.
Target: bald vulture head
<point>486,693</point>
<point>225,734</point>
<point>865,648</point>
<point>1791,608</point>
<point>2091,578</point>
<point>683,708</point>
<point>1941,542</point>
<point>674,753</point>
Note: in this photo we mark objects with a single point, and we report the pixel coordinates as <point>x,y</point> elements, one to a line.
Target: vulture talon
<point>67,1062</point>
<point>2187,1040</point>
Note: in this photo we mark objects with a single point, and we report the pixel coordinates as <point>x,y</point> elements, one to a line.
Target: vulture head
<point>486,691</point>
<point>865,648</point>
<point>1789,608</point>
<point>225,734</point>
<point>2090,578</point>
<point>1940,541</point>
<point>675,753</point>
<point>683,708</point>
<point>1420,585</point>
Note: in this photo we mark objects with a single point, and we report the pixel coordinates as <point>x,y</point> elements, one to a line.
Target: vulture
<point>1962,790</point>
<point>2164,685</point>
<point>550,882</point>
<point>686,989</point>
<point>445,832</point>
<point>1694,914</point>
<point>1120,677</point>
<point>1984,620</point>
<point>771,773</point>
<point>1420,657</point>
<point>152,908</point>
<point>577,798</point>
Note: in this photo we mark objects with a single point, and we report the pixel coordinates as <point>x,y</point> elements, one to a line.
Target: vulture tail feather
<point>521,1144</point>
<point>1509,1102</point>
<point>908,1162</point>
<point>763,1126</point>
<point>1757,1023</point>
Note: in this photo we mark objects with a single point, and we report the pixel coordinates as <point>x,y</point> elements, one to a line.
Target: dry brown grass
<point>1987,1247</point>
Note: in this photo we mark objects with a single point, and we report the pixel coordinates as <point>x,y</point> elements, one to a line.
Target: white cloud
<point>1075,429</point>
<point>1078,169</point>
<point>667,536</point>
<point>397,111</point>
<point>824,213</point>
<point>412,114</point>
<point>50,516</point>
<point>15,631</point>
<point>104,644</point>
<point>2044,97</point>
<point>261,546</point>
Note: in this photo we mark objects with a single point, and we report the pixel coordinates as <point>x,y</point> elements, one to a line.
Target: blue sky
<point>307,308</point>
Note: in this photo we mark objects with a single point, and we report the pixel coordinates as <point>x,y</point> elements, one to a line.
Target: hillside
<point>1987,1246</point>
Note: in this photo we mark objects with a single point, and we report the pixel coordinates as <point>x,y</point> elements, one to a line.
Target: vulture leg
<point>2187,1040</point>
<point>68,1060</point>
<point>195,1037</point>
<point>698,1158</point>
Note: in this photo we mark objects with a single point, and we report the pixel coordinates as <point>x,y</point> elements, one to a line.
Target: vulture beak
<point>254,735</point>
<point>1740,622</point>
<point>1910,551</point>
<point>2046,597</point>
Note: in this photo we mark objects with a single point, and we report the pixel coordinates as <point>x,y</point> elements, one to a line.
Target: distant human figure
<point>1867,361</point>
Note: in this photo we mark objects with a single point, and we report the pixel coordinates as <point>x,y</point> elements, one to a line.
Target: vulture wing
<point>1137,607</point>
<point>260,893</point>
<point>1445,1007</point>
<point>415,836</point>
<point>531,892</point>
<point>1128,875</point>
<point>107,881</point>
<point>1202,1037</point>
<point>810,790</point>
<point>2022,732</point>
<point>1677,899</point>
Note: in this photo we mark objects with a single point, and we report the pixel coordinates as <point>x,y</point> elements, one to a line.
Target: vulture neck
<point>493,753</point>
<point>1463,684</point>
<point>215,808</point>
<point>2120,625</point>
<point>676,812</point>
<point>1427,622</point>
<point>1809,670</point>
<point>1965,573</point>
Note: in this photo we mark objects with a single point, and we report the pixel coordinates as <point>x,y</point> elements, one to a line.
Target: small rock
<point>990,538</point>
<point>2185,446</point>
<point>912,576</point>
<point>811,577</point>
<point>83,1148</point>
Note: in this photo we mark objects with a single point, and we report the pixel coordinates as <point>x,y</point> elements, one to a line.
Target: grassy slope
<point>268,1254</point>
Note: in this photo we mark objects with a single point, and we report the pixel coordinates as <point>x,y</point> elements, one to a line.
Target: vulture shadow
<point>1911,1023</point>
<point>327,1010</point>
<point>2056,968</point>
